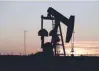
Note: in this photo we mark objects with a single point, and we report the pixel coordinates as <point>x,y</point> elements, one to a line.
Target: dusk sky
<point>15,17</point>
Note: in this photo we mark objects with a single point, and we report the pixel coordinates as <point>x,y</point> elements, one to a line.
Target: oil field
<point>53,54</point>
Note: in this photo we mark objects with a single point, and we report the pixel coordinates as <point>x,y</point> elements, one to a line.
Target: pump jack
<point>57,17</point>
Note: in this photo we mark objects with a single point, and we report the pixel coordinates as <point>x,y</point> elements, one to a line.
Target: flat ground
<point>42,63</point>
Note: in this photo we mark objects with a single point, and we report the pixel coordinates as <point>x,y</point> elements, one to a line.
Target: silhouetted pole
<point>25,42</point>
<point>42,37</point>
<point>42,22</point>
<point>73,41</point>
<point>72,45</point>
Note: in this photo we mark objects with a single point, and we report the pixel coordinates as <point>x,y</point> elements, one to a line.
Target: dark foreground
<point>42,63</point>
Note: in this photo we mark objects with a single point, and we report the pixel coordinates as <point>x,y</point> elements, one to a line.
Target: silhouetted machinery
<point>56,18</point>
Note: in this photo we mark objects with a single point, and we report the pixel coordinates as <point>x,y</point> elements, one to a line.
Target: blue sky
<point>15,17</point>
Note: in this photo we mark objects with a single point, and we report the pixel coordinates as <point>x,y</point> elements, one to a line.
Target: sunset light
<point>49,35</point>
<point>15,17</point>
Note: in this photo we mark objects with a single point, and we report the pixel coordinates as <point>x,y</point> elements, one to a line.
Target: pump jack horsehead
<point>56,17</point>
